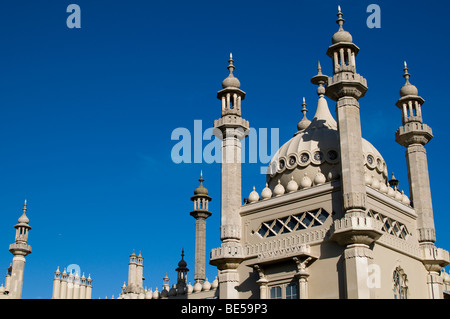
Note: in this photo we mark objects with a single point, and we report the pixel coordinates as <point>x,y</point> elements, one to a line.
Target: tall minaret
<point>140,270</point>
<point>132,269</point>
<point>355,230</point>
<point>19,249</point>
<point>346,87</point>
<point>231,128</point>
<point>200,213</point>
<point>413,135</point>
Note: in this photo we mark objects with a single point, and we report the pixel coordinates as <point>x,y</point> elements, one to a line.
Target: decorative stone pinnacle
<point>406,75</point>
<point>231,66</point>
<point>304,109</point>
<point>24,206</point>
<point>340,21</point>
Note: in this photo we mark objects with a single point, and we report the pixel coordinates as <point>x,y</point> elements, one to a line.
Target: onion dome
<point>231,80</point>
<point>173,290</point>
<point>197,287</point>
<point>398,195</point>
<point>405,199</point>
<point>408,88</point>
<point>341,35</point>
<point>383,188</point>
<point>24,219</point>
<point>391,192</point>
<point>189,288</point>
<point>215,283</point>
<point>375,183</point>
<point>266,193</point>
<point>206,285</point>
<point>319,178</point>
<point>279,189</point>
<point>156,294</point>
<point>182,263</point>
<point>57,272</point>
<point>149,294</point>
<point>201,190</point>
<point>316,147</point>
<point>304,123</point>
<point>253,197</point>
<point>306,181</point>
<point>292,186</point>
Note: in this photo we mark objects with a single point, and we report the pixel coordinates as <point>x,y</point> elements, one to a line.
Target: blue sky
<point>86,116</point>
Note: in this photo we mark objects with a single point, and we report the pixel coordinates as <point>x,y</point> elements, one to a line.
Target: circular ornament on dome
<point>318,156</point>
<point>379,165</point>
<point>282,164</point>
<point>332,155</point>
<point>304,158</point>
<point>292,160</point>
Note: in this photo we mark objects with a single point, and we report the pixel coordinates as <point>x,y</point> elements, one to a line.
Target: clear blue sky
<point>86,116</point>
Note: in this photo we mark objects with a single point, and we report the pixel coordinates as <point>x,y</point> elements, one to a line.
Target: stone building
<point>330,222</point>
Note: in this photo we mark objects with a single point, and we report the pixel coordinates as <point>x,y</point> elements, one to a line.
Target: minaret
<point>413,135</point>
<point>140,271</point>
<point>56,284</point>
<point>355,230</point>
<point>19,249</point>
<point>132,267</point>
<point>231,128</point>
<point>200,213</point>
<point>182,271</point>
<point>346,87</point>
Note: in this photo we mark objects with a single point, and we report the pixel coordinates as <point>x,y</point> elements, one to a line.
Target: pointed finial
<point>25,206</point>
<point>231,66</point>
<point>201,177</point>
<point>319,68</point>
<point>405,69</point>
<point>340,21</point>
<point>319,79</point>
<point>304,109</point>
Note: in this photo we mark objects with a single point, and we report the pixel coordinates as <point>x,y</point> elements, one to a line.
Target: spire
<point>231,66</point>
<point>408,89</point>
<point>340,21</point>
<point>304,122</point>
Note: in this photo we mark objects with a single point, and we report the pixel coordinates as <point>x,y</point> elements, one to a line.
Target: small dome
<point>231,81</point>
<point>319,178</point>
<point>189,288</point>
<point>341,36</point>
<point>292,186</point>
<point>197,287</point>
<point>253,197</point>
<point>266,193</point>
<point>391,192</point>
<point>215,284</point>
<point>201,190</point>
<point>206,285</point>
<point>405,199</point>
<point>279,189</point>
<point>408,89</point>
<point>383,187</point>
<point>306,181</point>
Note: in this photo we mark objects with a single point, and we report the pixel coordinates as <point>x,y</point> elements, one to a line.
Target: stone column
<point>357,260</point>
<point>18,267</point>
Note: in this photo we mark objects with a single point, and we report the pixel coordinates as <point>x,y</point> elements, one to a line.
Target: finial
<point>319,79</point>
<point>25,206</point>
<point>231,66</point>
<point>406,75</point>
<point>340,20</point>
<point>201,178</point>
<point>304,109</point>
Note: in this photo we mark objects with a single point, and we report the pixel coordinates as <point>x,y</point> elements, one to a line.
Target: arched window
<point>400,284</point>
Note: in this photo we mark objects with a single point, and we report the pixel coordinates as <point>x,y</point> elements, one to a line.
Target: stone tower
<point>182,271</point>
<point>231,128</point>
<point>413,135</point>
<point>356,231</point>
<point>19,249</point>
<point>200,213</point>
